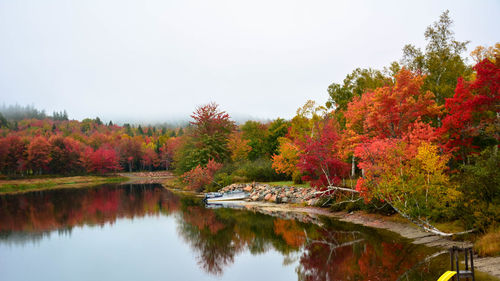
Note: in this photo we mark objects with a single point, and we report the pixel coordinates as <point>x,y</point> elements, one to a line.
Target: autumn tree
<point>410,175</point>
<point>472,122</point>
<point>12,155</point>
<point>207,139</point>
<point>490,53</point>
<point>169,150</point>
<point>130,151</point>
<point>286,160</point>
<point>388,111</point>
<point>397,149</point>
<point>101,161</point>
<point>200,176</point>
<point>39,154</point>
<point>306,121</point>
<point>65,154</point>
<point>471,132</point>
<point>319,159</point>
<point>149,158</point>
<point>238,147</point>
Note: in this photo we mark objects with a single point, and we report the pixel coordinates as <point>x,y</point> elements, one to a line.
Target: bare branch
<point>330,188</point>
<point>426,259</point>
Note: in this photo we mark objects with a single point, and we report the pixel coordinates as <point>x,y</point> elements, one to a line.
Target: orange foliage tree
<point>238,146</point>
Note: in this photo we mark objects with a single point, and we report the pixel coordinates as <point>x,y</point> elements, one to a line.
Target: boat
<point>236,204</point>
<point>226,196</point>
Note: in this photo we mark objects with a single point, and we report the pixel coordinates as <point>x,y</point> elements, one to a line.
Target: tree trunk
<point>353,167</point>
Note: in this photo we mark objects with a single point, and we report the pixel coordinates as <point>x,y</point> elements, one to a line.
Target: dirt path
<point>490,265</point>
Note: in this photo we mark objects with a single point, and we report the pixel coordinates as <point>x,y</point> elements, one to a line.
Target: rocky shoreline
<point>275,194</point>
<point>272,200</point>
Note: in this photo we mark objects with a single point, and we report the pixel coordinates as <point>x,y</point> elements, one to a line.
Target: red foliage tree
<point>65,155</point>
<point>102,160</point>
<point>209,120</point>
<point>149,158</point>
<point>12,155</point>
<point>39,154</point>
<point>168,151</point>
<point>130,151</point>
<point>472,119</point>
<point>319,160</point>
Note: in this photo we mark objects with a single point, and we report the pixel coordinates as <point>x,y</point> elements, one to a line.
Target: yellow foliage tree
<point>238,146</point>
<point>286,161</point>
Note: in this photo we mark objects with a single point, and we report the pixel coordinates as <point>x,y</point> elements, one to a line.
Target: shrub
<point>259,170</point>
<point>480,186</point>
<point>220,180</point>
<point>199,177</point>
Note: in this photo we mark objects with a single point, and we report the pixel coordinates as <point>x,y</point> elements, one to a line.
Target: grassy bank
<point>288,183</point>
<point>25,185</point>
<point>489,243</point>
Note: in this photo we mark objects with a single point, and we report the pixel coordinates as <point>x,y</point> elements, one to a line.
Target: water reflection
<point>326,249</point>
<point>318,248</point>
<point>31,216</point>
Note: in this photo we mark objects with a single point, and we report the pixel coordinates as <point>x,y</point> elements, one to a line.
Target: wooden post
<point>472,263</point>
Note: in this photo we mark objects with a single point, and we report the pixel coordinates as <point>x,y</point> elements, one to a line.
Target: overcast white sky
<point>157,60</point>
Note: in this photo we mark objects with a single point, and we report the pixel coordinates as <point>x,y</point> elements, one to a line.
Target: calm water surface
<point>144,232</point>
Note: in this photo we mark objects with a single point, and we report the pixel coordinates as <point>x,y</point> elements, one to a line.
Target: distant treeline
<point>18,112</point>
<point>60,146</point>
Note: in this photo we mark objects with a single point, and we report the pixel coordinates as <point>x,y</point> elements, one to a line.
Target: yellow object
<point>447,275</point>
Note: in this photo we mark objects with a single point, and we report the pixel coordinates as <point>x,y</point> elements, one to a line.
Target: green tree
<point>442,61</point>
<point>355,84</point>
<point>256,133</point>
<point>277,129</point>
<point>128,129</point>
<point>207,138</point>
<point>180,132</point>
<point>3,121</point>
<point>480,185</point>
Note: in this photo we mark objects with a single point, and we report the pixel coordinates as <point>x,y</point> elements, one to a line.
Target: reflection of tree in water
<point>291,232</point>
<point>210,237</point>
<point>218,236</point>
<point>326,250</point>
<point>355,255</point>
<point>24,217</point>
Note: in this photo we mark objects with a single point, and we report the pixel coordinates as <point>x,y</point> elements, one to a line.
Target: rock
<point>267,197</point>
<point>284,199</point>
<point>272,198</point>
<point>247,188</point>
<point>312,202</point>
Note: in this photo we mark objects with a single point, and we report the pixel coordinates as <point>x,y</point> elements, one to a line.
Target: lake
<point>145,232</point>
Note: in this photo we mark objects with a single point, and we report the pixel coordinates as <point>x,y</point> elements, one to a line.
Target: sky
<point>156,60</point>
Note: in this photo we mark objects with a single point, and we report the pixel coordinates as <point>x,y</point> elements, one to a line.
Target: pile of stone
<point>276,194</point>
